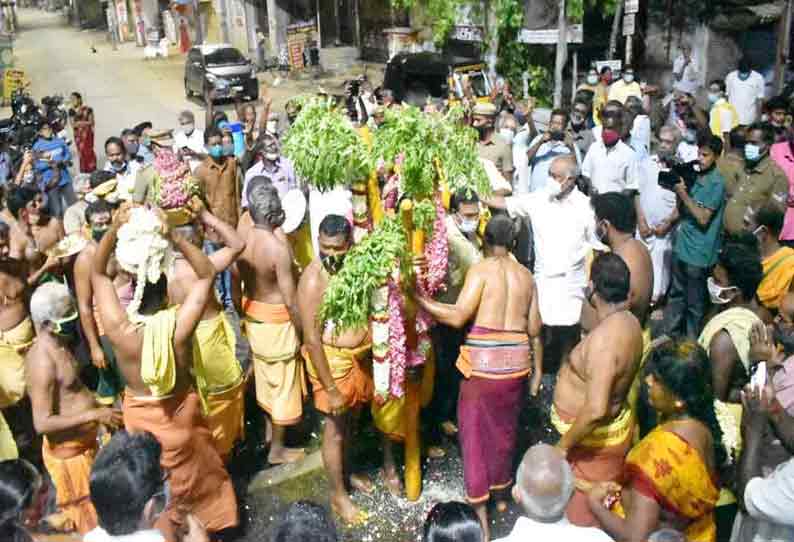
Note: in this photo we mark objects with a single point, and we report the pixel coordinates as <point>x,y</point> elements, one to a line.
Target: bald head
<point>563,168</point>
<point>544,483</point>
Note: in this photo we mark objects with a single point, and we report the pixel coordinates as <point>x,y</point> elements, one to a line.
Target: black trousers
<point>686,302</point>
<point>446,344</point>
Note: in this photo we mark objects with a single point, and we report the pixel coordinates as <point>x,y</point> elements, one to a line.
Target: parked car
<point>222,67</point>
<point>413,77</point>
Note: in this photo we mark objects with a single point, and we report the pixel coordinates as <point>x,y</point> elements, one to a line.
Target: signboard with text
<point>629,21</point>
<point>549,36</point>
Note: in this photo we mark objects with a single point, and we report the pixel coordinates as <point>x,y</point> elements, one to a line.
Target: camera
<point>355,87</point>
<point>677,170</point>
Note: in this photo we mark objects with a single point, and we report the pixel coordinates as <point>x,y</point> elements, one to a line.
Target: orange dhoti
<point>599,457</point>
<point>351,369</point>
<point>198,480</point>
<point>69,465</point>
<point>278,369</point>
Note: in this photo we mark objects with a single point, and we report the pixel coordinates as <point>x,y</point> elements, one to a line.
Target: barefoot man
<point>16,335</point>
<point>336,363</point>
<point>219,376</point>
<point>33,233</point>
<point>502,349</point>
<point>154,350</point>
<point>270,317</point>
<point>590,409</point>
<point>64,410</point>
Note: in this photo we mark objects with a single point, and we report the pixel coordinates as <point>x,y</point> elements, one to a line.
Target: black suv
<point>223,68</point>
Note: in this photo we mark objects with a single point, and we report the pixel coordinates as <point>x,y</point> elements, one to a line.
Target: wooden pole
<point>562,53</point>
<point>574,73</point>
<point>613,37</point>
<point>627,61</point>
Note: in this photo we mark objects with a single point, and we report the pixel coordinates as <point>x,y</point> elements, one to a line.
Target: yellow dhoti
<point>13,344</point>
<point>69,465</point>
<point>389,418</point>
<point>278,371</point>
<point>634,391</point>
<point>220,381</point>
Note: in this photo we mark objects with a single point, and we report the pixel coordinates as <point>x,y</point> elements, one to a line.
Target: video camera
<point>675,170</point>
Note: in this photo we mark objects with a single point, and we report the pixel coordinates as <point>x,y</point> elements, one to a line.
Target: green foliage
<point>423,141</point>
<point>442,14</point>
<point>325,148</point>
<point>425,216</point>
<point>347,299</point>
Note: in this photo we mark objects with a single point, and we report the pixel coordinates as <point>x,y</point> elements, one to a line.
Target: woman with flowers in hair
<point>670,477</point>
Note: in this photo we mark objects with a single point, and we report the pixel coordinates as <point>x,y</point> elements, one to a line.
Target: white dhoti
<point>661,251</point>
<point>560,297</point>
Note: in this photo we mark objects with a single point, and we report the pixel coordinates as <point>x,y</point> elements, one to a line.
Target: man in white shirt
<point>685,67</point>
<point>563,232</point>
<point>189,141</point>
<point>606,164</point>
<point>746,88</point>
<point>544,485</point>
<point>657,210</point>
<point>119,162</point>
<point>545,148</point>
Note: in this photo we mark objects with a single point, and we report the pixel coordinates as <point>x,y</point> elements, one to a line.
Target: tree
<point>562,53</point>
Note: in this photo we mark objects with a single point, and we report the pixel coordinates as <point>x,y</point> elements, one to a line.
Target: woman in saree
<point>83,126</point>
<point>670,475</point>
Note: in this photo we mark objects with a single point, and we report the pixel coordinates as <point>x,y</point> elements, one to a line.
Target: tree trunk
<point>613,38</point>
<point>562,53</point>
<point>492,36</point>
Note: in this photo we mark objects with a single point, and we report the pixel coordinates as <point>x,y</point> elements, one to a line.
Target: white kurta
<point>563,233</point>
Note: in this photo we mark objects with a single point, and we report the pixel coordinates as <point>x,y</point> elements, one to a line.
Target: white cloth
<point>338,201</point>
<point>641,135</point>
<point>744,95</point>
<point>125,182</point>
<point>495,177</point>
<point>521,161</point>
<point>690,73</point>
<point>608,169</point>
<point>529,530</point>
<point>686,152</point>
<point>194,142</point>
<point>539,166</point>
<point>657,204</point>
<point>101,535</point>
<point>770,501</point>
<point>564,233</point>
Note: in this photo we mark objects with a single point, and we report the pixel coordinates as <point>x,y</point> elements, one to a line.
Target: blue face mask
<point>228,149</point>
<point>216,151</point>
<point>752,152</point>
<point>744,75</point>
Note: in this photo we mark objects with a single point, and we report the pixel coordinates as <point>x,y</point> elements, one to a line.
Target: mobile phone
<point>758,380</point>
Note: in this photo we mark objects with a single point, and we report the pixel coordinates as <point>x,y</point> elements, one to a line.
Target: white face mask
<point>629,78</point>
<point>554,188</point>
<point>272,156</point>
<point>272,126</point>
<point>508,134</point>
<point>468,225</point>
<point>717,293</point>
<point>713,97</point>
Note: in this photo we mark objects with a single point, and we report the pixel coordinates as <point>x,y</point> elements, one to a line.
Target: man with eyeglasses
<point>582,135</point>
<point>189,140</point>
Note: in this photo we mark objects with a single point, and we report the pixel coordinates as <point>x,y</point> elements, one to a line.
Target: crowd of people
<point>638,252</point>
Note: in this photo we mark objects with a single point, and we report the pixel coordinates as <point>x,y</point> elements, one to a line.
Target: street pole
<point>199,28</point>
<point>562,53</point>
<point>114,23</point>
<point>784,45</point>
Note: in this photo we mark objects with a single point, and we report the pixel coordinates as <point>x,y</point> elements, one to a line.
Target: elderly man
<point>219,377</point>
<point>591,410</point>
<point>544,485</point>
<point>189,140</point>
<point>155,359</point>
<point>277,168</point>
<point>657,216</point>
<point>64,410</point>
<point>761,181</point>
<point>563,228</point>
<point>74,216</point>
<point>503,349</point>
<point>490,146</point>
<point>270,318</point>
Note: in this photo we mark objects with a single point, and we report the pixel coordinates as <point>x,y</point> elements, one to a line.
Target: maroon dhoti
<point>495,364</point>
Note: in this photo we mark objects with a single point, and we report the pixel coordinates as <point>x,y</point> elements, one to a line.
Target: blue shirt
<point>695,244</point>
<point>54,149</point>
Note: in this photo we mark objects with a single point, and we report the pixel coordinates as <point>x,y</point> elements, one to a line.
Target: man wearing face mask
<point>110,384</point>
<point>722,116</point>
<point>546,147</point>
<point>745,88</point>
<point>726,337</point>
<point>761,181</point>
<point>697,242</point>
<point>606,165</point>
<point>144,131</point>
<point>490,146</point>
<point>64,410</point>
<point>52,169</point>
<point>189,140</point>
<point>132,144</point>
<point>625,87</point>
<point>126,170</point>
<point>564,232</point>
<point>335,361</point>
<point>269,163</point>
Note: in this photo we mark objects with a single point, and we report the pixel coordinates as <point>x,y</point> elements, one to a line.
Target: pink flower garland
<point>437,256</point>
<point>397,356</point>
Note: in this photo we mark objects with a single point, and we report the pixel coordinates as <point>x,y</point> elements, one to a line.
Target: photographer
<point>700,209</point>
<point>52,159</point>
<point>554,142</point>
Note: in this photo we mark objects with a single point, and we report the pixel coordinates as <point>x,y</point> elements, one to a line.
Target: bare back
<point>181,281</point>
<point>606,360</point>
<point>506,291</point>
<point>264,252</point>
<point>13,290</point>
<point>638,260</point>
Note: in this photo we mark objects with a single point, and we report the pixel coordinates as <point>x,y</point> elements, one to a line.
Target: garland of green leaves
<point>325,148</point>
<point>347,300</point>
<point>426,142</point>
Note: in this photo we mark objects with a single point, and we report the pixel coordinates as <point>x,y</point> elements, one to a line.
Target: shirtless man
<point>34,232</point>
<point>335,363</point>
<point>270,317</point>
<point>218,372</point>
<point>199,483</point>
<point>502,350</point>
<point>590,408</point>
<point>64,410</point>
<point>616,224</point>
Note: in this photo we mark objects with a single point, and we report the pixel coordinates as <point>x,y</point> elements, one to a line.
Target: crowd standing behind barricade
<point>635,257</point>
